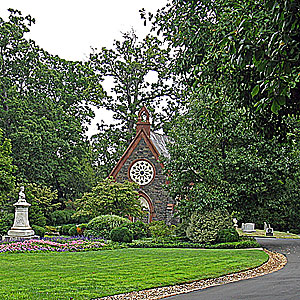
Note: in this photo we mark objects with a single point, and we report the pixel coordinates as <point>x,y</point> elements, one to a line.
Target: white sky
<point>69,28</point>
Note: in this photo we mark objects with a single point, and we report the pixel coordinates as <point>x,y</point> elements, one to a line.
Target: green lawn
<point>86,275</point>
<point>277,234</point>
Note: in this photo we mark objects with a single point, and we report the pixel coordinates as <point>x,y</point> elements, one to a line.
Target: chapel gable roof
<point>160,141</point>
<point>154,141</point>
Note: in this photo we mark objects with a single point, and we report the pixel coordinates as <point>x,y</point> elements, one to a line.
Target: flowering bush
<point>54,245</point>
<point>101,226</point>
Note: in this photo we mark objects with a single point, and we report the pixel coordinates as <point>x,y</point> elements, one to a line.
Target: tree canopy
<point>45,106</point>
<point>7,169</point>
<point>130,64</point>
<point>109,197</point>
<point>245,51</point>
<point>237,144</point>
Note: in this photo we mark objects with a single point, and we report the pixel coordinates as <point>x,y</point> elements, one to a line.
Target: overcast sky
<point>69,28</point>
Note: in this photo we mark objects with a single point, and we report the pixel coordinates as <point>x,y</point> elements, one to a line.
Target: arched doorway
<point>147,207</point>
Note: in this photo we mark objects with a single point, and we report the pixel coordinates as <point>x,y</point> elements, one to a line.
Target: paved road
<point>281,285</point>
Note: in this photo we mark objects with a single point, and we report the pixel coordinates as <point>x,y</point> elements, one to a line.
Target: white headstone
<point>269,231</point>
<point>248,227</point>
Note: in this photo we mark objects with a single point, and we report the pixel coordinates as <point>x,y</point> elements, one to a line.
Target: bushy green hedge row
<point>233,245</point>
<point>207,227</point>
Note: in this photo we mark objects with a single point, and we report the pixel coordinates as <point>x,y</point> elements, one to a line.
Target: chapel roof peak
<point>143,121</point>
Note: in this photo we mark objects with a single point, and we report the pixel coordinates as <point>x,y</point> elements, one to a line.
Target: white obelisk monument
<point>21,228</point>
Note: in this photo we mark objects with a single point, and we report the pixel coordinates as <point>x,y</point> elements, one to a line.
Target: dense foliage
<point>121,235</point>
<point>223,163</point>
<point>139,72</point>
<point>7,170</point>
<point>45,104</point>
<point>205,225</point>
<point>110,197</point>
<point>246,52</point>
<point>237,145</point>
<point>102,225</point>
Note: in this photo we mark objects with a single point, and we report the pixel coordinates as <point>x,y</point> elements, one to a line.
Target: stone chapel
<point>140,163</point>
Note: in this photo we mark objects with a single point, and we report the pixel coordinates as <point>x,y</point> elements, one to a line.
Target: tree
<point>7,169</point>
<point>129,64</point>
<point>42,199</point>
<point>7,182</point>
<point>110,197</point>
<point>45,106</point>
<point>237,144</point>
<point>218,161</point>
<point>247,52</point>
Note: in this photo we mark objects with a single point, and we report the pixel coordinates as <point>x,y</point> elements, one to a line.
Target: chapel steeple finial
<point>143,121</point>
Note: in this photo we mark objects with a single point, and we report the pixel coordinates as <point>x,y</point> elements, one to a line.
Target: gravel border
<point>275,262</point>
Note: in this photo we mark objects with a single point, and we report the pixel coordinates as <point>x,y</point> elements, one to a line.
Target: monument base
<point>20,234</point>
<point>8,238</point>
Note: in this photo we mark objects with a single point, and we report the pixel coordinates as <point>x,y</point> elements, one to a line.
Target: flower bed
<point>54,245</point>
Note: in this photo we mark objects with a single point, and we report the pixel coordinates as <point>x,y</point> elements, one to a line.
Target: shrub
<point>138,229</point>
<point>237,245</point>
<point>110,197</point>
<point>51,229</point>
<point>180,231</point>
<point>80,219</point>
<point>227,236</point>
<point>159,230</point>
<point>38,230</point>
<point>60,217</point>
<point>155,244</point>
<point>81,228</point>
<point>66,216</point>
<point>204,226</point>
<point>121,234</point>
<point>64,229</point>
<point>295,231</point>
<point>101,226</point>
<point>6,222</point>
<point>73,231</point>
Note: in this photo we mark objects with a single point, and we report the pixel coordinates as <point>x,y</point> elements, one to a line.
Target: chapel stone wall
<point>155,190</point>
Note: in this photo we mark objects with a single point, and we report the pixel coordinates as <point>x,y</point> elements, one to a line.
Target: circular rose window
<point>141,172</point>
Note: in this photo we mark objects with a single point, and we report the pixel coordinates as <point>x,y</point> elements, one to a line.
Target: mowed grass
<point>277,234</point>
<point>95,274</point>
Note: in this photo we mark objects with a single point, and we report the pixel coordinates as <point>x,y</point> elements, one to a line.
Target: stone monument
<point>248,227</point>
<point>21,228</point>
<point>269,231</point>
<point>235,221</point>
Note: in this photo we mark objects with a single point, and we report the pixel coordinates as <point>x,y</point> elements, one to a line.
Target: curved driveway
<point>281,285</point>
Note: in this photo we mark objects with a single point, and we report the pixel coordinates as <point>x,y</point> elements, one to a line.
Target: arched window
<point>147,208</point>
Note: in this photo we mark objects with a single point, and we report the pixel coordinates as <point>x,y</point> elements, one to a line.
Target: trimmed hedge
<point>121,235</point>
<point>227,235</point>
<point>38,230</point>
<point>233,245</point>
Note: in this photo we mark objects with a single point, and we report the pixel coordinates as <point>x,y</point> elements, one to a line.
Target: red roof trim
<point>141,134</point>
